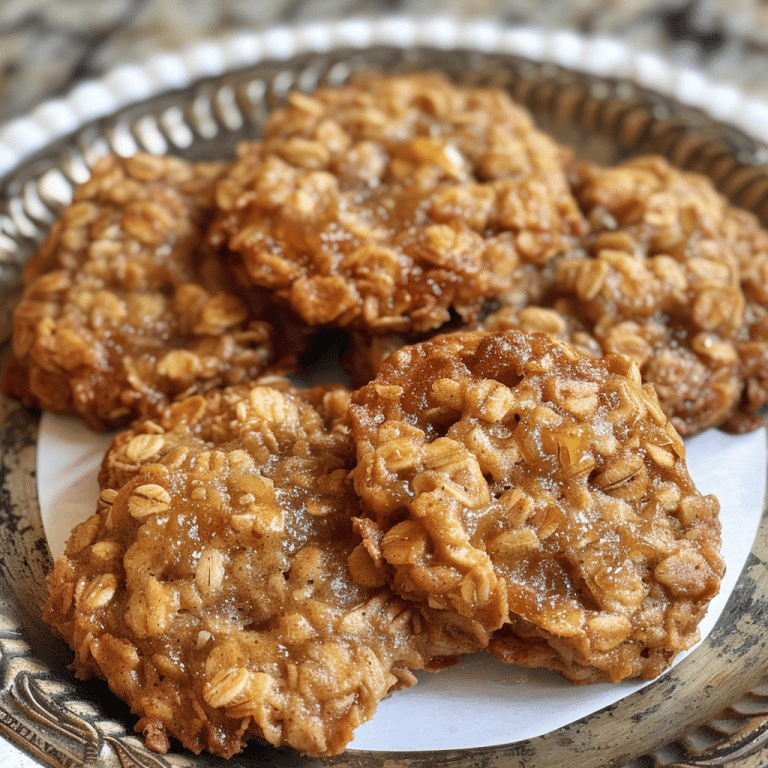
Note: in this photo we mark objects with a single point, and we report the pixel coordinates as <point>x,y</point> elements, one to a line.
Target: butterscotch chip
<point>387,203</point>
<point>124,309</point>
<point>219,588</point>
<point>542,492</point>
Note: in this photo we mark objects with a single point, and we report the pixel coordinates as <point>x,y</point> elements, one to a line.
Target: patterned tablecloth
<point>48,46</point>
<point>726,38</point>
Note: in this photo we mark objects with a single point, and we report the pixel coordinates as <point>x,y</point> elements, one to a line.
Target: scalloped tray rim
<point>131,83</point>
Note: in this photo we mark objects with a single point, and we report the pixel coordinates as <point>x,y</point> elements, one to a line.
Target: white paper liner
<point>481,702</point>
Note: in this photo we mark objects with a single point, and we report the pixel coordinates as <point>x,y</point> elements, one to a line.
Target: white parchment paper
<point>480,702</point>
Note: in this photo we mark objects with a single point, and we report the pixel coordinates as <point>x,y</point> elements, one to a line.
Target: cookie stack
<point>528,336</point>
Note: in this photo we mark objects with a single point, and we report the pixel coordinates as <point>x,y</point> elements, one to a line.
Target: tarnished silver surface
<point>710,710</point>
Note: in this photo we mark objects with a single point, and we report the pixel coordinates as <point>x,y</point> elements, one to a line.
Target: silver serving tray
<point>712,708</point>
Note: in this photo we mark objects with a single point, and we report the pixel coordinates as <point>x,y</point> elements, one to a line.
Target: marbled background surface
<point>48,45</point>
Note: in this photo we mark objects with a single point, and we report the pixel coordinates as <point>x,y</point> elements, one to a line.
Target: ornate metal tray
<point>711,710</point>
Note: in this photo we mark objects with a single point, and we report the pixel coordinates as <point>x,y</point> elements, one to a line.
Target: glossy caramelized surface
<point>542,492</point>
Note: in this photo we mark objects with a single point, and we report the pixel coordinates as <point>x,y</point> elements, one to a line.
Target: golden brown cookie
<point>669,274</point>
<point>542,492</point>
<point>219,588</point>
<point>389,203</point>
<point>124,309</point>
<point>673,277</point>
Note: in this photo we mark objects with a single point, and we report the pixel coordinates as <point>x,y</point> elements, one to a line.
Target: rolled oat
<point>388,203</point>
<point>124,308</point>
<point>672,277</point>
<point>212,587</point>
<point>513,480</point>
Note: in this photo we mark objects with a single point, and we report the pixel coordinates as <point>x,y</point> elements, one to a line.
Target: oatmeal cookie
<point>673,277</point>
<point>389,203</point>
<point>367,350</point>
<point>511,479</point>
<point>124,308</point>
<point>535,318</point>
<point>219,588</point>
<point>669,275</point>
